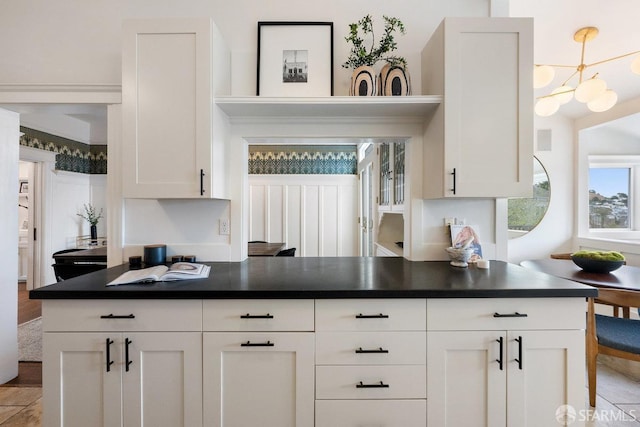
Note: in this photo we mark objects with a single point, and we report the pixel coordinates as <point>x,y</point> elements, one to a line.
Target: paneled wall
<point>317,214</point>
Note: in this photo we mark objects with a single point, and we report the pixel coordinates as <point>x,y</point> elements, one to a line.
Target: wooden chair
<point>610,335</point>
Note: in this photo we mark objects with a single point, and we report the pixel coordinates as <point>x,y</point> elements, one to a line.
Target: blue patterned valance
<point>71,156</point>
<point>303,159</point>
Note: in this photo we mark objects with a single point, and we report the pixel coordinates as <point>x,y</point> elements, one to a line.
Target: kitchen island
<point>290,341</point>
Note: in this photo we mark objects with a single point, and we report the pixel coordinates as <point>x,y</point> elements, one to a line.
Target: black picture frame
<point>277,41</point>
<point>24,187</point>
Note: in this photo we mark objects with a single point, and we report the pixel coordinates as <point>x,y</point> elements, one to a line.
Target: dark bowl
<point>596,265</point>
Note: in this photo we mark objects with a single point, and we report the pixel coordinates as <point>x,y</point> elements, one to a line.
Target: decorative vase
<point>364,81</point>
<point>394,81</point>
<point>94,232</point>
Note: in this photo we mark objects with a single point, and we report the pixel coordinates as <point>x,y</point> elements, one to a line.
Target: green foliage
<point>600,255</point>
<point>90,214</point>
<point>363,29</point>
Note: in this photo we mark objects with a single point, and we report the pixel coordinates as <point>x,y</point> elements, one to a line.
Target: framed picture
<point>24,187</point>
<point>461,234</point>
<point>295,58</point>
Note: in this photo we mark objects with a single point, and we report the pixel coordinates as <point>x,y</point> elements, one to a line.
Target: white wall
<point>9,126</point>
<point>314,213</point>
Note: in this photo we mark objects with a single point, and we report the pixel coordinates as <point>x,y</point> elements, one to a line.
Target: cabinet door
<point>480,141</point>
<point>258,379</point>
<point>162,379</point>
<point>166,97</point>
<point>465,385</point>
<point>550,374</point>
<point>78,389</point>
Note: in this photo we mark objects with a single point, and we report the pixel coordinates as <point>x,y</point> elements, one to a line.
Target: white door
<point>545,372</point>
<point>81,380</point>
<point>366,195</point>
<point>258,379</point>
<point>466,385</point>
<point>162,379</point>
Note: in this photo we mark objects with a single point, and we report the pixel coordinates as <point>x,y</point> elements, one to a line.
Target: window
<point>613,195</point>
<point>609,189</point>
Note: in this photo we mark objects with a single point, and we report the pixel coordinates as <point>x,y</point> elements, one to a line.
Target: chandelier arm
<point>570,77</point>
<point>556,65</point>
<point>612,59</point>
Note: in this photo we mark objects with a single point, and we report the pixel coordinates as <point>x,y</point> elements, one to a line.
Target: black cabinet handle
<point>501,341</point>
<point>377,350</point>
<point>516,314</point>
<point>375,385</point>
<point>201,182</point>
<point>257,344</point>
<point>109,361</point>
<point>453,190</point>
<point>114,316</point>
<point>128,362</point>
<point>258,316</point>
<point>372,316</point>
<point>519,359</point>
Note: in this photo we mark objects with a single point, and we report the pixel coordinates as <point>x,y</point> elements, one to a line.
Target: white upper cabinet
<point>173,137</point>
<point>479,142</point>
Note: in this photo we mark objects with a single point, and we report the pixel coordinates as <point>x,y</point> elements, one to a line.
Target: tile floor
<point>617,405</point>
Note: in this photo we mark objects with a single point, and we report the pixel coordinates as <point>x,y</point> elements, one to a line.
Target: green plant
<point>359,55</point>
<point>90,214</point>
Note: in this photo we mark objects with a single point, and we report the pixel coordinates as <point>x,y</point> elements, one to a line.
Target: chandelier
<point>590,90</point>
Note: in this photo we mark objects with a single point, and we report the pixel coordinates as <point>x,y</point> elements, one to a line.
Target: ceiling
<point>555,22</point>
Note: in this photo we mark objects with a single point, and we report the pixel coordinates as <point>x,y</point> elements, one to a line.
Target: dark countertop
<point>343,277</point>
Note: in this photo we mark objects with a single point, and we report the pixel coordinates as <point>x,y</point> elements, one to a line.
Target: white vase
<point>394,81</point>
<point>364,81</point>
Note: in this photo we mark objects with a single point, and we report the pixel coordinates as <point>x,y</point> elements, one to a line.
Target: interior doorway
<point>367,203</point>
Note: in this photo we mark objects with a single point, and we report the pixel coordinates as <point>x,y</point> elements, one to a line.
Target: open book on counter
<point>162,273</point>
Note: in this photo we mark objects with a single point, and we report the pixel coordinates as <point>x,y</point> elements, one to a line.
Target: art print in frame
<point>461,234</point>
<point>295,59</point>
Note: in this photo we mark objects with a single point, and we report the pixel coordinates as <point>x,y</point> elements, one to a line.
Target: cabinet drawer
<point>257,315</point>
<point>505,313</point>
<point>371,348</point>
<point>371,382</point>
<point>371,315</point>
<point>121,315</point>
<point>382,413</point>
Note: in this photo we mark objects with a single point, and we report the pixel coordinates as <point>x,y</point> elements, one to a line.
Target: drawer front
<point>371,348</point>
<point>258,315</point>
<point>379,413</point>
<point>121,315</point>
<point>371,382</point>
<point>505,313</point>
<point>371,315</point>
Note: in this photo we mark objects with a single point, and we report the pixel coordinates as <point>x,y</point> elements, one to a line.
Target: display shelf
<point>330,106</point>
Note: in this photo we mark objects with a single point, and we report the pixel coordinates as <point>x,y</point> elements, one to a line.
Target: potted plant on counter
<point>364,54</point>
<point>92,217</point>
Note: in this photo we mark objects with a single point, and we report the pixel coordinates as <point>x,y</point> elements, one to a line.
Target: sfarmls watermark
<point>567,415</point>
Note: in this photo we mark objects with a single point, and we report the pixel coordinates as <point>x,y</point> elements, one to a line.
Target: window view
<point>609,197</point>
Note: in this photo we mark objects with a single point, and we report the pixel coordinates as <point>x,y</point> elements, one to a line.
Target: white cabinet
<point>173,137</point>
<point>116,377</point>
<point>370,362</point>
<point>263,376</point>
<point>517,376</point>
<point>391,177</point>
<point>479,142</point>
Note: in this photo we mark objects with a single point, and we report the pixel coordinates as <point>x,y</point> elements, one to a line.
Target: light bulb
<point>590,89</point>
<point>565,94</point>
<point>603,102</point>
<point>635,65</point>
<point>547,106</point>
<point>542,75</point>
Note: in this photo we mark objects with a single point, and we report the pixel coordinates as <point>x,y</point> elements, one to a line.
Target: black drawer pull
<point>377,350</point>
<point>372,316</point>
<point>519,359</point>
<point>257,344</point>
<point>257,316</point>
<point>516,314</point>
<point>500,361</point>
<point>114,316</point>
<point>375,385</point>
